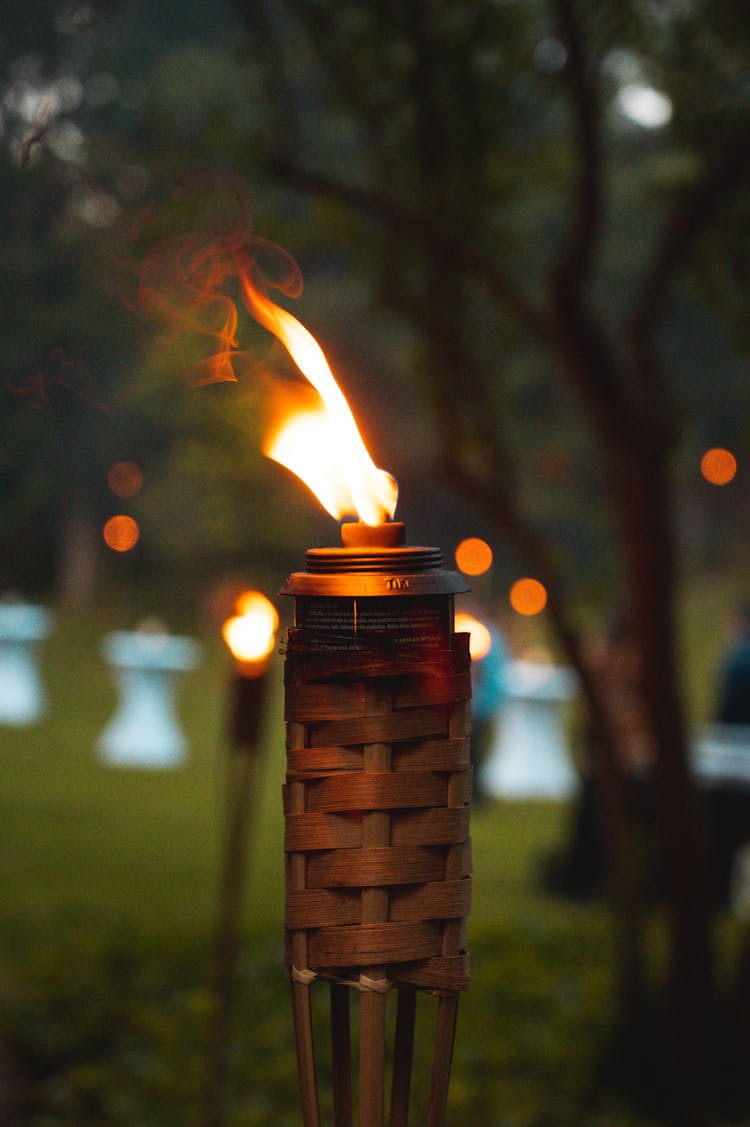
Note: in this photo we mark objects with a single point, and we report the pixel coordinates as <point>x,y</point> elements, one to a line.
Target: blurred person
<point>734,691</point>
<point>726,785</point>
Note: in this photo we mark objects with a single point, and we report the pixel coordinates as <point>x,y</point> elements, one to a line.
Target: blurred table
<point>22,628</point>
<point>720,760</point>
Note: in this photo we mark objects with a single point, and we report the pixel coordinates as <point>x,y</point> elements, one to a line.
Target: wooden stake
<point>241,769</point>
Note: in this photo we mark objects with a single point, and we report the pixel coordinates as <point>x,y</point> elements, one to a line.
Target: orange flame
<point>184,280</point>
<point>335,442</point>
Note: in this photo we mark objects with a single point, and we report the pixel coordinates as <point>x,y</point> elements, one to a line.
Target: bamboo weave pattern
<point>384,743</point>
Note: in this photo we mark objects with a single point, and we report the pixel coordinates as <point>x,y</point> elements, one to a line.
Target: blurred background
<point>522,229</point>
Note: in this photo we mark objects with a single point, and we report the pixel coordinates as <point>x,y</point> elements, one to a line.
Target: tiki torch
<point>377,796</point>
<point>250,634</point>
<point>378,780</point>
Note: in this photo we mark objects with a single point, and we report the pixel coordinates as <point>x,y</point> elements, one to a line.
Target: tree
<point>98,106</point>
<point>482,151</point>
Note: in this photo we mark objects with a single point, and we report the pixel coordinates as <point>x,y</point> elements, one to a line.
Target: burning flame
<point>324,449</point>
<point>251,633</point>
<point>184,282</point>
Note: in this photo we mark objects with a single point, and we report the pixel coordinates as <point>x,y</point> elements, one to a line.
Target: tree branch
<point>693,212</point>
<point>576,259</point>
<point>588,358</point>
<point>261,21</point>
<point>456,251</point>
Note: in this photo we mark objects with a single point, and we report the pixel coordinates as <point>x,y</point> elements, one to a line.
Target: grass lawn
<point>109,890</point>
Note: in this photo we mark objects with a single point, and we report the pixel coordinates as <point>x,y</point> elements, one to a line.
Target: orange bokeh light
<point>121,533</point>
<point>528,596</point>
<point>125,479</point>
<point>473,556</point>
<point>718,466</point>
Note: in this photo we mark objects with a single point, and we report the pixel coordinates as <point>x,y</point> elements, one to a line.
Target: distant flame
<point>183,282</point>
<point>250,634</point>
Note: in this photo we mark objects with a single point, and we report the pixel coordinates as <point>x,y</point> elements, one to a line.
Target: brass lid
<point>373,569</point>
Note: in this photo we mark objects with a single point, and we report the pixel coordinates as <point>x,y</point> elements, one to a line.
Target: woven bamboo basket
<point>378,855</point>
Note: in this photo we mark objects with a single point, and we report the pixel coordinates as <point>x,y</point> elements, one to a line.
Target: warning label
<point>353,624</point>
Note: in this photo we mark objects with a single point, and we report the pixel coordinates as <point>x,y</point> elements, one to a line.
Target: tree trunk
<point>690,1000</point>
<point>78,559</point>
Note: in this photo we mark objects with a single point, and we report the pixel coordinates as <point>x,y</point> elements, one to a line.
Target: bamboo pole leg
<point>303,1037</point>
<point>442,1060</point>
<point>372,1024</point>
<point>403,1054</point>
<point>341,1056</point>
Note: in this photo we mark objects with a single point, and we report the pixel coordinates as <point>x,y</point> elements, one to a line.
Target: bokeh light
<point>528,596</point>
<point>121,533</point>
<point>718,466</point>
<point>644,105</point>
<point>480,639</point>
<point>125,479</point>
<point>473,556</point>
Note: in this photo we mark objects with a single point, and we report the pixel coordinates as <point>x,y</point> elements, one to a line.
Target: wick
<point>357,534</point>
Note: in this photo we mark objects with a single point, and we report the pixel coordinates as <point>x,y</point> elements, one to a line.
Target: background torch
<point>251,636</point>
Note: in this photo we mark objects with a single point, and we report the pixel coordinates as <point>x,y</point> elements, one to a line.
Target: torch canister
<point>376,802</point>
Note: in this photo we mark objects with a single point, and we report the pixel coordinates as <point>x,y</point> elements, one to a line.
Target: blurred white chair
<point>145,731</point>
